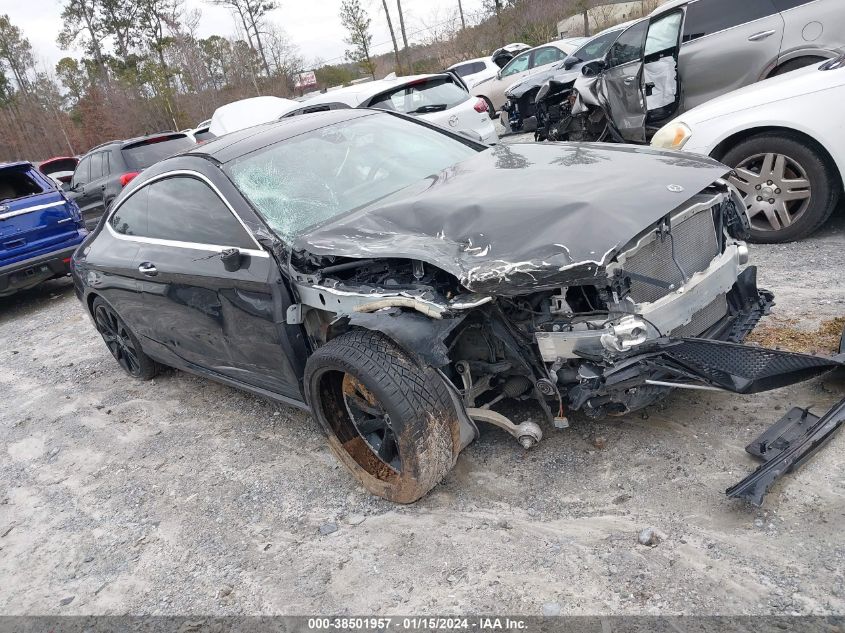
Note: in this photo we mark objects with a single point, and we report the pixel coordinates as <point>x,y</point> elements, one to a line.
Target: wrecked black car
<point>401,281</point>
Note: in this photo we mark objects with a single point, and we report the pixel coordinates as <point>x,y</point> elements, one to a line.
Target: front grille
<point>695,247</point>
<point>704,319</point>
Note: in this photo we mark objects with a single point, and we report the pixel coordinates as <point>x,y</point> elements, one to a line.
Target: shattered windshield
<point>308,179</point>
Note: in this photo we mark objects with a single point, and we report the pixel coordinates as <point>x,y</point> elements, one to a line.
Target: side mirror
<point>593,68</point>
<point>570,61</point>
<point>499,74</point>
<point>231,259</point>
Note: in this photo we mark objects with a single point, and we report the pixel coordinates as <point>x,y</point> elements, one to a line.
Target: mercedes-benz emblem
<point>453,120</point>
<point>675,188</point>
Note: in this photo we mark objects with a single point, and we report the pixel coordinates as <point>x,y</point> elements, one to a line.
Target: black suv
<point>106,169</point>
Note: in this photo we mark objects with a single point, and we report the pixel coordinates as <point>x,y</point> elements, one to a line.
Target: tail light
<point>480,106</point>
<point>126,178</point>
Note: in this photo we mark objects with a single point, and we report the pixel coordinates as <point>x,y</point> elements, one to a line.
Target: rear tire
<point>121,342</point>
<point>805,162</point>
<point>390,421</point>
<point>795,64</point>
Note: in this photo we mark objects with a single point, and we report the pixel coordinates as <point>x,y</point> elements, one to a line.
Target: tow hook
<point>528,434</point>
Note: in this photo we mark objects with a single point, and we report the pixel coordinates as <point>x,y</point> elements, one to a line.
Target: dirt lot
<point>184,496</point>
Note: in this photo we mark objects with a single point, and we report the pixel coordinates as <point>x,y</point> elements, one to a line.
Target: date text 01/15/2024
<point>412,623</point>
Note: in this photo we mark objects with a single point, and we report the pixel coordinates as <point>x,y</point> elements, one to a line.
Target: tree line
<point>139,66</point>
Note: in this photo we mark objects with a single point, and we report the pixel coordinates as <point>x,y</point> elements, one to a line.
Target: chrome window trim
<point>258,252</point>
<point>39,207</point>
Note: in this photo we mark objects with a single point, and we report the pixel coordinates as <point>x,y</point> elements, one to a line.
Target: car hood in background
<point>517,218</point>
<point>58,165</point>
<point>245,113</point>
<point>535,81</point>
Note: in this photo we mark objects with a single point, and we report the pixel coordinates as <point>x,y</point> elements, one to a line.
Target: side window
<point>706,17</point>
<point>663,34</point>
<point>629,47</point>
<point>96,166</point>
<point>80,174</point>
<point>131,216</point>
<point>106,163</point>
<point>185,209</point>
<point>464,69</point>
<point>516,65</point>
<point>596,47</point>
<point>547,55</point>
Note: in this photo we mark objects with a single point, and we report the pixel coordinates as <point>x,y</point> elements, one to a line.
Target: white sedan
<point>785,139</point>
<point>474,71</point>
<point>440,99</point>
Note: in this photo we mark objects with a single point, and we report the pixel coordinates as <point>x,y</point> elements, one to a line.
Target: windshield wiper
<point>435,107</point>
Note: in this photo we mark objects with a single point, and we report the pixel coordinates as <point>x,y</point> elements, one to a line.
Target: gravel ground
<point>182,496</point>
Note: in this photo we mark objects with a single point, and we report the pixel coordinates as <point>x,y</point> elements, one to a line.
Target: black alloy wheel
<point>121,342</point>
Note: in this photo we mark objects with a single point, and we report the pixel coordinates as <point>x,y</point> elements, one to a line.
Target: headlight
<point>672,136</point>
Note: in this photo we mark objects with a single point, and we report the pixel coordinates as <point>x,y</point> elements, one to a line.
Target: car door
<point>91,189</point>
<point>225,315</point>
<point>621,84</point>
<point>727,45</point>
<point>81,176</point>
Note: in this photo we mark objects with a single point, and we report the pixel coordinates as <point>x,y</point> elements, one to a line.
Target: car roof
<point>236,144</point>
<point>469,61</point>
<point>668,6</point>
<point>369,89</point>
<point>133,141</point>
<point>16,164</point>
<point>570,41</point>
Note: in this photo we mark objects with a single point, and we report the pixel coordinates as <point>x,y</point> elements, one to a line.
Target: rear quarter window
<point>428,95</point>
<point>147,153</point>
<point>17,183</point>
<point>468,69</point>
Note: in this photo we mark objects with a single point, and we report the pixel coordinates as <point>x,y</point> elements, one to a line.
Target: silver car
<point>766,37</point>
<point>690,51</point>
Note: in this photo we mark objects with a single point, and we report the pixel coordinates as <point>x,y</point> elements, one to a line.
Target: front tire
<point>788,187</point>
<point>390,421</point>
<point>121,342</point>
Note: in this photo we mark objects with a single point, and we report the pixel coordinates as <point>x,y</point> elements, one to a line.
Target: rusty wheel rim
<point>371,422</point>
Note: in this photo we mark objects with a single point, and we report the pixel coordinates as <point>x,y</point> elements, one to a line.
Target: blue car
<point>39,228</point>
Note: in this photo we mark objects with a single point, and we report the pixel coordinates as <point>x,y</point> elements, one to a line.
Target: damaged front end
<point>667,309</point>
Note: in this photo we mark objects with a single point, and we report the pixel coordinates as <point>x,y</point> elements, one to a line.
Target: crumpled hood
<point>518,218</point>
<point>535,81</point>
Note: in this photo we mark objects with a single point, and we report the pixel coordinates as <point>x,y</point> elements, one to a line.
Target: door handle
<point>629,80</point>
<point>148,269</point>
<point>761,36</point>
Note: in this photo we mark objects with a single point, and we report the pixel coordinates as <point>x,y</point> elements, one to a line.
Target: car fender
<point>715,132</point>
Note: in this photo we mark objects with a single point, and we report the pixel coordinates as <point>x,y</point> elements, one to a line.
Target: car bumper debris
<point>784,447</point>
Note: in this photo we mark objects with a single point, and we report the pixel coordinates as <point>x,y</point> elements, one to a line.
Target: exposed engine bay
<point>593,307</point>
<point>620,342</point>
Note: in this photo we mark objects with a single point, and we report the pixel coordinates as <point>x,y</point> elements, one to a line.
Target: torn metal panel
<point>786,446</point>
<point>521,218</point>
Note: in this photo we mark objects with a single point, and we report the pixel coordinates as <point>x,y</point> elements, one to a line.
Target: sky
<point>312,25</point>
